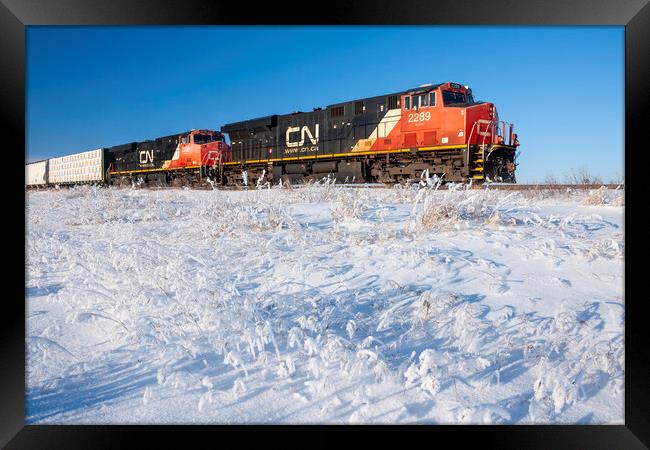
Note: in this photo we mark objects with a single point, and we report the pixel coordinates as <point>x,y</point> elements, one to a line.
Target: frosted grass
<point>325,304</point>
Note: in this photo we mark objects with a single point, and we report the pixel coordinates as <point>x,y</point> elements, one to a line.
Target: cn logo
<point>304,131</point>
<point>146,156</point>
<point>486,132</point>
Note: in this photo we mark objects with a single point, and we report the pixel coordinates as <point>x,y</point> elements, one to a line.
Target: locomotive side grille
<point>337,111</point>
<point>410,140</point>
<point>429,138</point>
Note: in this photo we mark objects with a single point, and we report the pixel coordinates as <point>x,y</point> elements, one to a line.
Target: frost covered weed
<point>593,197</point>
<point>540,193</point>
<point>447,211</point>
<point>570,356</point>
<point>604,196</point>
<point>428,371</point>
<point>264,218</point>
<point>578,363</point>
<point>431,306</point>
<point>347,208</point>
<point>462,208</point>
<point>439,216</point>
<point>605,248</point>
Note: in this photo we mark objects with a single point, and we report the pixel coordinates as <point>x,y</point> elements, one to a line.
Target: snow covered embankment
<point>325,305</point>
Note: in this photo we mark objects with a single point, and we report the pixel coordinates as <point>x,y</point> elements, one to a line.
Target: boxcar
<point>36,173</point>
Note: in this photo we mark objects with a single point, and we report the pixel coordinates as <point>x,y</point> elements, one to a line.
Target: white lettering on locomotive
<point>291,151</point>
<point>146,156</point>
<point>485,132</point>
<point>303,131</point>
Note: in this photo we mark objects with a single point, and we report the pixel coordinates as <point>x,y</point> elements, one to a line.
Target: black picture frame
<point>15,15</point>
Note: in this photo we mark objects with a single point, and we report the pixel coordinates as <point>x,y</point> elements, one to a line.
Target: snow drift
<point>325,304</point>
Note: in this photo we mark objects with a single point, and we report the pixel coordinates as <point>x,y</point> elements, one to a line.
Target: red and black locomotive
<point>179,159</point>
<point>389,138</point>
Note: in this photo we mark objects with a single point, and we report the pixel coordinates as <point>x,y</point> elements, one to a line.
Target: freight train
<point>435,129</point>
<point>188,158</point>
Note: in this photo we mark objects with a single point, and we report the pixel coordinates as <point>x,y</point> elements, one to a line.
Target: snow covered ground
<point>325,304</point>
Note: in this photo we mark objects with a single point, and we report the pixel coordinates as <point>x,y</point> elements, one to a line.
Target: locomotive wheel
<point>403,180</point>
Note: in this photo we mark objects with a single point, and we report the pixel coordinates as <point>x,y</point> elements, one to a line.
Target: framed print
<point>278,216</point>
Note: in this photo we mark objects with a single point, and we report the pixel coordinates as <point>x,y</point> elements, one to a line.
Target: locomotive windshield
<point>452,98</point>
<point>203,138</point>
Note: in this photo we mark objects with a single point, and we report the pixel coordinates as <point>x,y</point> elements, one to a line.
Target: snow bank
<point>325,304</point>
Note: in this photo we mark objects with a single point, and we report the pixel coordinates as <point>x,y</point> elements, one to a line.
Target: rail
<point>477,186</point>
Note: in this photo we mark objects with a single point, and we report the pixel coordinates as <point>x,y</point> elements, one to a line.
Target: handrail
<point>205,158</point>
<point>489,125</point>
<point>469,141</point>
<point>492,130</point>
<point>207,155</point>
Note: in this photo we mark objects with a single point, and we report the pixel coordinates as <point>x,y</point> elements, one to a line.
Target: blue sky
<point>90,87</point>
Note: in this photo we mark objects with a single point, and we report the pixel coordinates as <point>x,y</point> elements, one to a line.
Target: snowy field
<point>325,304</point>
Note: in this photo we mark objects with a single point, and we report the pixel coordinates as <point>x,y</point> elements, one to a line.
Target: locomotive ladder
<point>479,155</point>
<point>205,159</point>
<point>491,130</point>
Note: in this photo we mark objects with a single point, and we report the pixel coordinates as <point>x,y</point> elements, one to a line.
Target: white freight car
<point>36,173</point>
<point>84,167</point>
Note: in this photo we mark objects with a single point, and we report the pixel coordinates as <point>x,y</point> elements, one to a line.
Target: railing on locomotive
<point>502,127</point>
<point>496,130</point>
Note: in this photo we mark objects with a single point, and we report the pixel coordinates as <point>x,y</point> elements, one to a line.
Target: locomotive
<point>433,129</point>
<point>188,158</point>
<point>438,129</point>
<point>178,159</point>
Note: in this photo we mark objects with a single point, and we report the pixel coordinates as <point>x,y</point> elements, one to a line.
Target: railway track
<point>499,186</point>
<point>490,186</point>
<point>526,187</point>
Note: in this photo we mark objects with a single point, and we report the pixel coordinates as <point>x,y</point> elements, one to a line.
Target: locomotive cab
<point>446,116</point>
<point>201,148</point>
<point>435,115</point>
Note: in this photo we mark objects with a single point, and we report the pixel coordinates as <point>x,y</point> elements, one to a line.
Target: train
<point>434,129</point>
<point>188,158</point>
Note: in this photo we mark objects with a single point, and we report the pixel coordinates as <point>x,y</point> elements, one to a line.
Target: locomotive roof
<point>114,148</point>
<point>425,88</point>
<point>258,122</point>
<point>268,120</point>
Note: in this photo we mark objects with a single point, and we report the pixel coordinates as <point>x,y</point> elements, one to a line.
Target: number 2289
<point>419,117</point>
